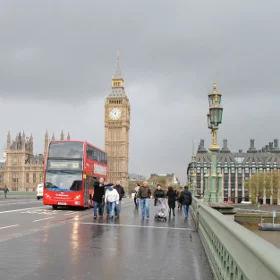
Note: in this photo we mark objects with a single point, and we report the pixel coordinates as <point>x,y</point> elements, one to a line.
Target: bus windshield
<point>57,180</point>
<point>71,150</point>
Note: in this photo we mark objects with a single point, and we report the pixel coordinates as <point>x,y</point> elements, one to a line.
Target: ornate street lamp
<point>214,117</point>
<point>214,193</point>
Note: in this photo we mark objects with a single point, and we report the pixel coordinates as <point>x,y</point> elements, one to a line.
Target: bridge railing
<point>233,251</point>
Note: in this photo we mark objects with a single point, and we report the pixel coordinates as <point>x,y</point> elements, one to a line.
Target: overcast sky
<point>57,59</point>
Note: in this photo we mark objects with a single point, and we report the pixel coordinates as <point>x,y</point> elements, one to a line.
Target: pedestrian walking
<point>119,188</point>
<point>186,198</point>
<point>136,199</point>
<point>6,190</point>
<point>179,200</point>
<point>171,199</point>
<point>158,193</point>
<point>98,197</point>
<point>111,200</point>
<point>144,195</point>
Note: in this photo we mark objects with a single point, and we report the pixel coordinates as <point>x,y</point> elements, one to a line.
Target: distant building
<point>21,170</point>
<point>133,180</point>
<point>234,167</point>
<point>165,180</point>
<point>136,177</point>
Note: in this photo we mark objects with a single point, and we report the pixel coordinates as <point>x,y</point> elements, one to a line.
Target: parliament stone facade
<point>22,170</point>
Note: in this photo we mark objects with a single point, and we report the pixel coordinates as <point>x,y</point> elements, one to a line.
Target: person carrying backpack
<point>186,200</point>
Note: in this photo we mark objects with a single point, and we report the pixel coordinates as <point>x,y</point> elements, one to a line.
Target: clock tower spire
<point>117,125</point>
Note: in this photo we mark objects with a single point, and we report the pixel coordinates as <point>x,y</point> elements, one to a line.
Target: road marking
<point>138,226</point>
<point>21,209</point>
<point>35,221</point>
<point>18,203</point>
<point>9,226</point>
<point>71,213</point>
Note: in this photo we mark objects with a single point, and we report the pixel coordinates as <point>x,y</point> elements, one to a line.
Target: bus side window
<point>90,153</point>
<point>95,154</point>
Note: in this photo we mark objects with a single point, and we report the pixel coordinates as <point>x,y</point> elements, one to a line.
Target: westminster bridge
<point>37,242</point>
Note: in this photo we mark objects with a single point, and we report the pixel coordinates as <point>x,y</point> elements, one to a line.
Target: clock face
<point>115,114</point>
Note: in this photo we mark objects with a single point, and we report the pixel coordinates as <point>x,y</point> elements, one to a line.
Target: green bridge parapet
<point>233,251</point>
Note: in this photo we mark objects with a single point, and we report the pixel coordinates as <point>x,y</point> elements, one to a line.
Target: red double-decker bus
<point>70,171</point>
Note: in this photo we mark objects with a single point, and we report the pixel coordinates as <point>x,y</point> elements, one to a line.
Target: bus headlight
<point>78,196</point>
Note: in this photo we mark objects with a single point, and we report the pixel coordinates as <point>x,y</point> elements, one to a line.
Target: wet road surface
<point>37,242</point>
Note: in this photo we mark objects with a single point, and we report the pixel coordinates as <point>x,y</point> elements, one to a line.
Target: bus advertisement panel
<point>70,171</point>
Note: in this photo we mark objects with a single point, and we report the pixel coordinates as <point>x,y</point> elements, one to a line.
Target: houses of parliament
<point>22,170</point>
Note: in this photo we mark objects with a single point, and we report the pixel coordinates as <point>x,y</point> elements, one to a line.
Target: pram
<point>161,210</point>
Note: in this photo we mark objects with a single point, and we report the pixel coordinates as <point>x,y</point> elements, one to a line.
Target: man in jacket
<point>186,199</point>
<point>119,188</point>
<point>111,199</point>
<point>98,198</point>
<point>144,195</point>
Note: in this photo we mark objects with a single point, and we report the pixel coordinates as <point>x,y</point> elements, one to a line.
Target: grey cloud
<point>57,58</point>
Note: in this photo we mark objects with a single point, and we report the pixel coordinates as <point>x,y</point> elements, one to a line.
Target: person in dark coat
<point>121,193</point>
<point>144,195</point>
<point>98,197</point>
<point>158,193</point>
<point>5,191</point>
<point>179,200</point>
<point>186,198</point>
<point>171,198</point>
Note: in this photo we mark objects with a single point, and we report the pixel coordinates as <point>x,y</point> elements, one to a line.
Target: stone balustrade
<point>233,251</point>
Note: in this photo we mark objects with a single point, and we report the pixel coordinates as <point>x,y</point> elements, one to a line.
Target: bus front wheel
<point>54,207</point>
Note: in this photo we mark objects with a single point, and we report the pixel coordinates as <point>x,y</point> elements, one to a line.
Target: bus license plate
<point>61,203</point>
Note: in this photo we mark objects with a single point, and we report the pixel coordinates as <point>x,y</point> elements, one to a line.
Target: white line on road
<point>35,221</point>
<point>70,213</point>
<point>21,209</point>
<point>20,202</point>
<point>138,226</point>
<point>9,226</point>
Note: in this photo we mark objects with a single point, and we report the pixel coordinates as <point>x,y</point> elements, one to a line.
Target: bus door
<point>86,191</point>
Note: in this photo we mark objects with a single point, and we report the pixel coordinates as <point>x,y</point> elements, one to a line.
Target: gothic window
<point>14,178</point>
<point>34,177</point>
<point>27,177</point>
<point>41,177</point>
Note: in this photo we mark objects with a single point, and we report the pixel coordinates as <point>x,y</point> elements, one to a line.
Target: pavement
<point>37,242</point>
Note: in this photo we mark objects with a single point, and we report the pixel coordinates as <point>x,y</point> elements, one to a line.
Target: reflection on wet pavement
<point>82,248</point>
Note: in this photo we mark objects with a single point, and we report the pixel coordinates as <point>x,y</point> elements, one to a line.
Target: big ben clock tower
<point>117,124</point>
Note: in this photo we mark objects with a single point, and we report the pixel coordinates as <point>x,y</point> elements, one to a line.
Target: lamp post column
<point>214,118</point>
